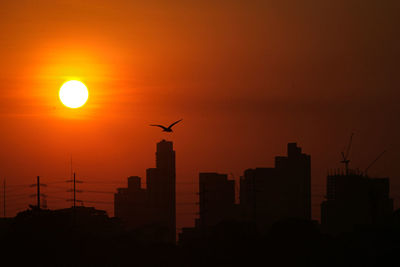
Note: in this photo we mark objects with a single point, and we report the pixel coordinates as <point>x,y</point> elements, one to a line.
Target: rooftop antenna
<point>373,162</point>
<point>345,155</point>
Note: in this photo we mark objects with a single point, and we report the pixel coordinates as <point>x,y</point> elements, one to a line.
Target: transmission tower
<point>38,194</point>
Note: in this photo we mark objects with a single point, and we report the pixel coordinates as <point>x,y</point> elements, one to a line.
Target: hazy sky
<point>246,76</point>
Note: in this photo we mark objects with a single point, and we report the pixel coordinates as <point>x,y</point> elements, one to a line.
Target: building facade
<point>216,199</point>
<point>130,204</point>
<point>155,206</point>
<point>161,187</point>
<point>354,199</point>
<point>271,194</point>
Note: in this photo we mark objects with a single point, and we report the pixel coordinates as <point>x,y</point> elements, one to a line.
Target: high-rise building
<point>271,194</point>
<point>161,187</point>
<point>130,204</point>
<point>354,199</point>
<point>216,198</point>
<point>216,205</point>
<point>296,172</point>
<point>155,206</point>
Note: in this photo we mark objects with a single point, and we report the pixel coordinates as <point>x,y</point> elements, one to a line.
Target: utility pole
<point>73,190</point>
<point>37,195</point>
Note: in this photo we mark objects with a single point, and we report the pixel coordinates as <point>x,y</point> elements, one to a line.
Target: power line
<point>18,185</point>
<point>99,192</point>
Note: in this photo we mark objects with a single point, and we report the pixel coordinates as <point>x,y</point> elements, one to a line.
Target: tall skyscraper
<point>296,172</point>
<point>161,186</point>
<point>154,207</point>
<point>271,194</point>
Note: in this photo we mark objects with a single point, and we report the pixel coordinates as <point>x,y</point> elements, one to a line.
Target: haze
<point>247,77</point>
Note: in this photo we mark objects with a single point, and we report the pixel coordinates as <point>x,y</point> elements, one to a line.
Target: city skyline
<point>187,212</point>
<point>262,199</point>
<point>318,181</point>
<point>246,77</point>
<point>255,131</point>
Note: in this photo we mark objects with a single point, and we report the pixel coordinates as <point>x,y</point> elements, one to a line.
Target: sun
<point>73,94</point>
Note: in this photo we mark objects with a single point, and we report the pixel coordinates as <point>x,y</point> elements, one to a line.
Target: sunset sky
<point>247,77</point>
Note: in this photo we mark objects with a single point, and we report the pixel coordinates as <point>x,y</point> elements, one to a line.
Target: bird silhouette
<point>166,129</point>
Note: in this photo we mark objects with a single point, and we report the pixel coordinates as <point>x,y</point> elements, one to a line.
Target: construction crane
<point>373,162</point>
<point>345,155</point>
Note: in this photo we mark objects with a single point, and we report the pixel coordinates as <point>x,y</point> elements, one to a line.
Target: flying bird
<point>166,129</point>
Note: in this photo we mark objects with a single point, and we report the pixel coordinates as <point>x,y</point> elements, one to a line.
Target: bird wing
<point>174,124</point>
<point>157,125</point>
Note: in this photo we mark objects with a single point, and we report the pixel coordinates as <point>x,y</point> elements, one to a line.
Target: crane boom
<point>349,146</point>
<point>374,161</point>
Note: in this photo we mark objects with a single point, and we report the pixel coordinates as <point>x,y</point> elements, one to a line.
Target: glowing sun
<point>73,94</point>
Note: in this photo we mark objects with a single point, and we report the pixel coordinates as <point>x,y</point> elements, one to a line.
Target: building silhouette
<point>354,199</point>
<point>130,204</point>
<point>161,188</point>
<point>271,194</point>
<point>216,205</point>
<point>267,195</point>
<point>154,206</point>
<point>216,199</point>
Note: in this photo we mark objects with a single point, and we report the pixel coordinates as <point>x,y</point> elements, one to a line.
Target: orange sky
<point>246,76</point>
